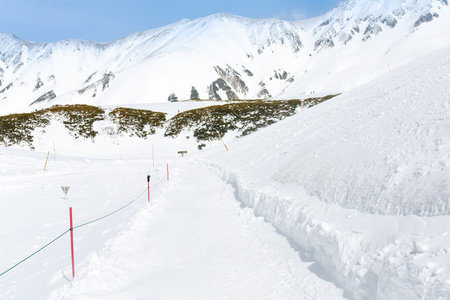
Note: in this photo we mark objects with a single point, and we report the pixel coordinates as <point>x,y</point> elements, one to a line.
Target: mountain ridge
<point>316,55</point>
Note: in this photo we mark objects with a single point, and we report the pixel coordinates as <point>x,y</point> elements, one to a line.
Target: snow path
<point>195,241</point>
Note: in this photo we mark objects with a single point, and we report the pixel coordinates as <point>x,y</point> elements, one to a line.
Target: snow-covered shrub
<point>243,117</point>
<point>137,122</point>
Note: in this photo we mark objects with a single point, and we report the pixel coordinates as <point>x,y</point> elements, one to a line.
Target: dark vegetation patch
<point>137,122</point>
<point>79,119</point>
<point>205,123</point>
<point>244,117</point>
<point>17,129</point>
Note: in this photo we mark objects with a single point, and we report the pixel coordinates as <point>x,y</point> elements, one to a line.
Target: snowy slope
<point>362,182</point>
<point>192,248</point>
<point>350,198</point>
<point>224,56</point>
<point>356,188</point>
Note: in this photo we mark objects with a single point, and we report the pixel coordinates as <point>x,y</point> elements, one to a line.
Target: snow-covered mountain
<point>224,56</point>
<point>349,199</point>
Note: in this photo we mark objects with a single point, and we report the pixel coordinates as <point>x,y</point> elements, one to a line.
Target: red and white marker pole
<point>71,243</point>
<point>148,187</point>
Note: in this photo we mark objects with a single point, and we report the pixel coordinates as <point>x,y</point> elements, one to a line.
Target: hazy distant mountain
<point>225,57</point>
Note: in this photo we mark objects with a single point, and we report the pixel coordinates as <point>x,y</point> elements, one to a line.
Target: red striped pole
<point>71,243</point>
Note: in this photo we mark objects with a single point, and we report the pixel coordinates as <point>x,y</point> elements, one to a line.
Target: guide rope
<point>78,226</point>
<point>29,256</point>
<point>105,216</point>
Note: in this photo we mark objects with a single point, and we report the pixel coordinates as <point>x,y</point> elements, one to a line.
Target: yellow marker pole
<point>45,167</point>
<point>221,139</point>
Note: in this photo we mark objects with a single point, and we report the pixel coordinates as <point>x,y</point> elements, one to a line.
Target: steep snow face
<point>362,182</point>
<point>369,18</point>
<point>351,45</point>
<point>375,159</point>
<point>360,41</point>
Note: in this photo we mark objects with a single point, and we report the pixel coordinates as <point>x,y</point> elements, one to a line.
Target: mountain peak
<point>364,8</point>
<point>227,54</point>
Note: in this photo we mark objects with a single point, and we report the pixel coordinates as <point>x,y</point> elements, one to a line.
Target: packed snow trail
<point>195,241</point>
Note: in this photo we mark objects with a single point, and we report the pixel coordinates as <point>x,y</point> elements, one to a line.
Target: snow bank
<point>362,182</point>
<point>382,149</point>
<point>188,244</point>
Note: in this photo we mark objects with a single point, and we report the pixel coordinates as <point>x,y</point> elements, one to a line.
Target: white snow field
<point>349,199</point>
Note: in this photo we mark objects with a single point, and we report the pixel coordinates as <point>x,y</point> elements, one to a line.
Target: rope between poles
<point>117,210</point>
<point>105,216</point>
<point>29,256</point>
<point>78,226</point>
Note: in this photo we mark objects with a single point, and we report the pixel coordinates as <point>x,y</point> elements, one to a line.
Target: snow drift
<point>361,183</point>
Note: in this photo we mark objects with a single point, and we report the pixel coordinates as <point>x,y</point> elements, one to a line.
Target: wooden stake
<point>221,139</point>
<point>45,167</point>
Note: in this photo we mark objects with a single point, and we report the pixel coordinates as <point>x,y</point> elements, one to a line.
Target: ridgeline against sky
<point>107,21</point>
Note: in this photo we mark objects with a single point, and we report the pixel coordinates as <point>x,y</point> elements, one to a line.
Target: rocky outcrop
<point>232,78</point>
<point>38,85</point>
<point>90,78</point>
<point>6,88</point>
<point>218,85</point>
<point>372,29</point>
<point>46,97</point>
<point>425,18</point>
<point>280,74</point>
<point>94,88</point>
<point>389,21</point>
<point>247,71</point>
<point>172,98</point>
<point>279,33</point>
<point>264,94</point>
<point>194,94</point>
<point>323,43</point>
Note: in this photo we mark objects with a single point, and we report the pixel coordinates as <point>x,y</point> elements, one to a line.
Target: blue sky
<point>109,20</point>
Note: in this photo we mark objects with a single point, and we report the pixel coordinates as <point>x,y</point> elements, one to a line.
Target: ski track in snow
<point>195,242</point>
